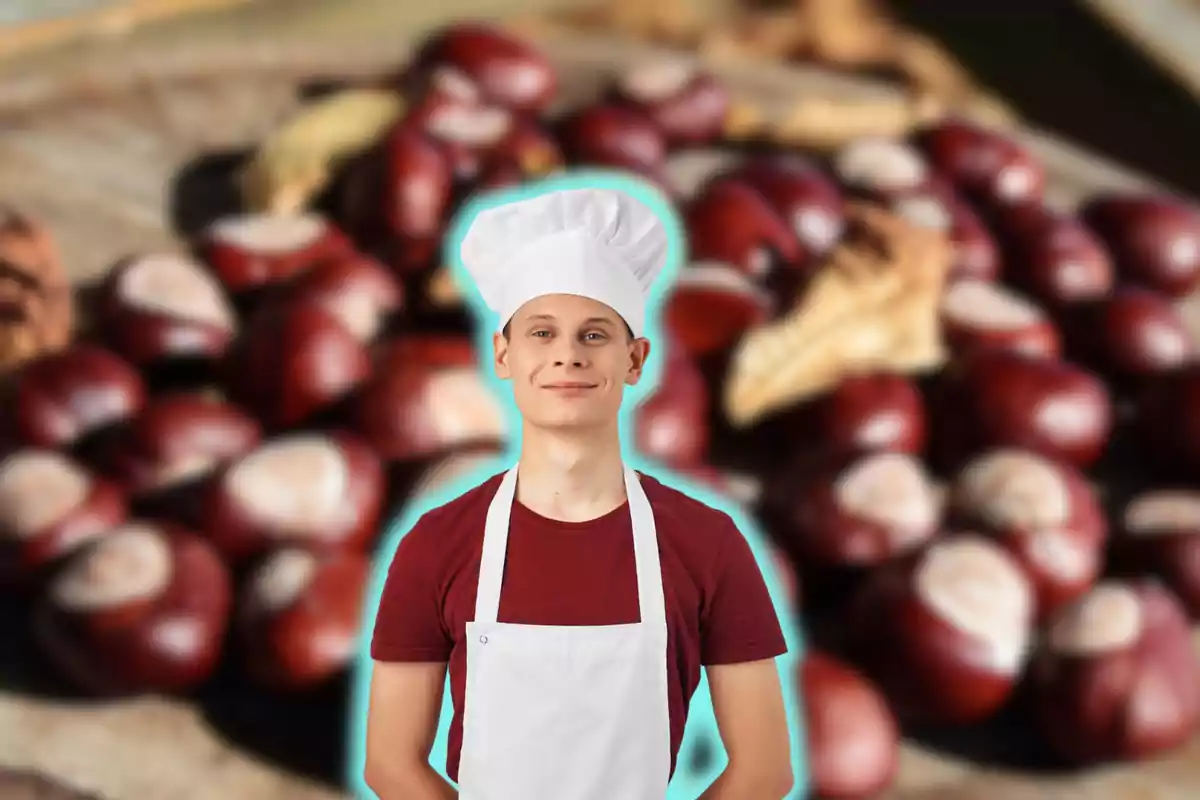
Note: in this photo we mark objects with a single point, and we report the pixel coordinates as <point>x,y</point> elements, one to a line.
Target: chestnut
<point>1000,398</point>
<point>711,304</point>
<point>946,634</point>
<point>358,290</point>
<point>504,70</point>
<point>163,307</point>
<point>1154,240</point>
<point>853,737</point>
<point>1054,258</point>
<point>869,511</point>
<point>610,135</point>
<point>803,197</point>
<point>299,616</point>
<point>731,223</point>
<point>317,491</point>
<point>251,251</point>
<point>143,609</point>
<point>427,396</point>
<point>177,441</point>
<point>880,168</point>
<point>468,133</point>
<point>49,506</point>
<point>671,425</point>
<point>397,196</point>
<point>62,399</point>
<point>986,166</point>
<point>688,105</point>
<point>1117,678</point>
<point>868,413</point>
<point>295,361</point>
<point>1133,333</point>
<point>1158,534</point>
<point>1044,513</point>
<point>978,315</point>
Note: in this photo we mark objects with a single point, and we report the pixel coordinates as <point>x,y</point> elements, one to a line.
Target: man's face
<point>569,359</point>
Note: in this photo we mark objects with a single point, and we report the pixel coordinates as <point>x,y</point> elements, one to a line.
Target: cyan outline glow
<point>701,724</point>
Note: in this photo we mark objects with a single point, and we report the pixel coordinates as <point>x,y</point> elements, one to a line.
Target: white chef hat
<point>599,243</point>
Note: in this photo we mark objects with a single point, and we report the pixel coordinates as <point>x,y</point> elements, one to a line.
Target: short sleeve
<point>408,625</point>
<point>739,622</point>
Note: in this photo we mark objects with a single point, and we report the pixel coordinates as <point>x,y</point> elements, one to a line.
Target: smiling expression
<point>569,359</point>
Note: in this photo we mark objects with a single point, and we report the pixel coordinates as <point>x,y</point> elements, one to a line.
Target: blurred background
<point>127,127</point>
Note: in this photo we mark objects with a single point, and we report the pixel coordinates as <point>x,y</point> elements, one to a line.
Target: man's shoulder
<point>458,516</point>
<point>683,512</point>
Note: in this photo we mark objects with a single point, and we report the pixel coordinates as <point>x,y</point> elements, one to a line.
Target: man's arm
<point>402,721</point>
<point>748,702</point>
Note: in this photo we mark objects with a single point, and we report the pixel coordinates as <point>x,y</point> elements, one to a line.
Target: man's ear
<point>500,355</point>
<point>639,351</point>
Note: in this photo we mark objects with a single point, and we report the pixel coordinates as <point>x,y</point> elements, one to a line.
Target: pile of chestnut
<point>206,473</point>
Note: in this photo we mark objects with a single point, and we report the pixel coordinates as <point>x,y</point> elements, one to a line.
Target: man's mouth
<point>570,385</point>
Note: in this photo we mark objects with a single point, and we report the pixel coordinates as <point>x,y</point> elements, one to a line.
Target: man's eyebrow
<point>603,320</point>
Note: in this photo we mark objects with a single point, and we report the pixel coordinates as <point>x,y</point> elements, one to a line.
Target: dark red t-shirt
<point>719,610</point>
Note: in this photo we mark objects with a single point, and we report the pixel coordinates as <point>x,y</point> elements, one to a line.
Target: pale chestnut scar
<point>297,485</point>
<point>132,563</point>
<point>1109,617</point>
<point>37,489</point>
<point>174,285</point>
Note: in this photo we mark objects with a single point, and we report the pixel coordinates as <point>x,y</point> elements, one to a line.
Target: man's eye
<point>540,333</point>
<point>595,335</point>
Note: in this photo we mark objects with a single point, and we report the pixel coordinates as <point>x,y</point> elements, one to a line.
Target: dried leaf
<point>826,123</point>
<point>442,290</point>
<point>296,161</point>
<point>873,305</point>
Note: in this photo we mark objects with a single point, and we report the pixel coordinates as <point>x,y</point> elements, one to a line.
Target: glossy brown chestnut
<point>998,398</point>
<point>295,361</point>
<point>251,251</point>
<point>979,315</point>
<point>1054,258</point>
<point>853,738</point>
<point>144,608</point>
<point>398,195</point>
<point>983,164</point>
<point>299,616</point>
<point>504,70</point>
<point>1116,677</point>
<point>427,396</point>
<point>671,425</point>
<point>177,441</point>
<point>1159,534</point>
<point>878,507</point>
<point>731,223</point>
<point>1044,513</point>
<point>804,197</point>
<point>1133,333</point>
<point>468,132</point>
<point>1154,240</point>
<point>359,291</point>
<point>319,492</point>
<point>687,104</point>
<point>163,307</point>
<point>946,634</point>
<point>610,135</point>
<point>49,507</point>
<point>710,305</point>
<point>61,399</point>
<point>529,148</point>
<point>870,413</point>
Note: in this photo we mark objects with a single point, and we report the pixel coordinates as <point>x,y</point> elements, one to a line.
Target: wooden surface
<point>119,146</point>
<point>1167,31</point>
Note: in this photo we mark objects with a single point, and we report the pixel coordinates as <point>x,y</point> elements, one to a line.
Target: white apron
<point>556,712</point>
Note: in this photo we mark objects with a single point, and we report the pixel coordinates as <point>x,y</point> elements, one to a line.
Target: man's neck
<point>572,476</point>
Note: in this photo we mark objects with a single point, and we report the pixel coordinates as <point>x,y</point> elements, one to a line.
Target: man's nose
<point>570,352</point>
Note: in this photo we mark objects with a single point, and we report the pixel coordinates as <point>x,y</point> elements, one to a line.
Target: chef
<point>572,600</point>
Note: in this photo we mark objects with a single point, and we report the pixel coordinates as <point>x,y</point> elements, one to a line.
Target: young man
<point>572,599</point>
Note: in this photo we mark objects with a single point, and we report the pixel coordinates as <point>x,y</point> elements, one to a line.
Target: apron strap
<point>651,601</point>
